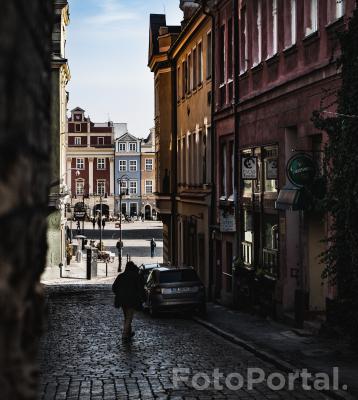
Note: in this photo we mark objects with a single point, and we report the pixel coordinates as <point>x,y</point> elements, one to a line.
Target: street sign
<point>301,170</point>
<point>227,221</point>
<point>249,167</point>
<point>271,169</point>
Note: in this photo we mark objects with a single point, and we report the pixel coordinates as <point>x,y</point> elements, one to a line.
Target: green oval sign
<point>301,169</point>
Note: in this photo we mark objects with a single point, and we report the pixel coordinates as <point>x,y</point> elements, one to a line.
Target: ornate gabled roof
<point>127,137</point>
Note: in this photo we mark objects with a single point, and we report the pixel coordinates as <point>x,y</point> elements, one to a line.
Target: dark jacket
<point>128,289</point>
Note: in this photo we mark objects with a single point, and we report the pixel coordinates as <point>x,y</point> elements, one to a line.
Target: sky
<point>107,50</point>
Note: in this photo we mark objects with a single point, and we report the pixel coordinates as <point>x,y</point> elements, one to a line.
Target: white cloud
<point>111,11</point>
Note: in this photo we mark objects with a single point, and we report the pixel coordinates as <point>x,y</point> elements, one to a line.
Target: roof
<point>127,137</point>
<point>78,109</point>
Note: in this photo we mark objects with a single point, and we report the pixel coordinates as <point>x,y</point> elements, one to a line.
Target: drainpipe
<point>212,217</point>
<point>237,177</point>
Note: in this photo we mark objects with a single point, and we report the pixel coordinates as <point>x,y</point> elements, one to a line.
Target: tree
<point>341,202</point>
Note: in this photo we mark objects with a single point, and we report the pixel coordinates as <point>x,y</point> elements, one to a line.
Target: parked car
<point>146,269</point>
<point>174,289</point>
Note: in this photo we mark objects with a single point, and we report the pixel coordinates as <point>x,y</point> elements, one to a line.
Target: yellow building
<point>183,95</point>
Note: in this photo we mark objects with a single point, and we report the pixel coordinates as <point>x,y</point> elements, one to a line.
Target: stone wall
<point>25,88</point>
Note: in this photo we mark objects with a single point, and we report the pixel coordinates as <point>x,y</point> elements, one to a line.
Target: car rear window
<point>178,276</point>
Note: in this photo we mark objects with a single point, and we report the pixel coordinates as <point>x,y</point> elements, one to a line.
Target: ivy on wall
<point>341,199</point>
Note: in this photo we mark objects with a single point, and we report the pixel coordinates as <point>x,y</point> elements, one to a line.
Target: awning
<point>290,198</point>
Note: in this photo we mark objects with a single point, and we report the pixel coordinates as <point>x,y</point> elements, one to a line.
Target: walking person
<point>129,295</point>
<point>153,245</point>
<point>119,246</point>
<point>94,223</point>
<point>78,227</point>
<point>99,223</point>
<point>103,223</point>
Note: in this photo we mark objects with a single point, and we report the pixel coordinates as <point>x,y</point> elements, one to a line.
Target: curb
<point>263,355</point>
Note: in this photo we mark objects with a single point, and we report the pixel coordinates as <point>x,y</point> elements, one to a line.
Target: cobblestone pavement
<point>82,355</point>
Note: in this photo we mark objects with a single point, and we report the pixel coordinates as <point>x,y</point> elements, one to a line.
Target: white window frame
<point>148,183</point>
<point>313,4</point>
<point>130,147</point>
<point>101,163</point>
<point>134,187</point>
<point>122,147</point>
<point>122,166</point>
<point>82,190</point>
<point>99,192</point>
<point>133,167</point>
<point>80,163</point>
<point>149,164</point>
<point>124,186</point>
<point>78,140</point>
<point>100,139</point>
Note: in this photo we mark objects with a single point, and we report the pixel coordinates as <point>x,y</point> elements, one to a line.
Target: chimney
<point>189,7</point>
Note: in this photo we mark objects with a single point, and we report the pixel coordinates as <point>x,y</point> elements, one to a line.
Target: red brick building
<point>275,65</point>
<point>90,162</point>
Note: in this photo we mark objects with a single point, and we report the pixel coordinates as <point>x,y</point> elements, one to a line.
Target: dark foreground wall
<point>25,37</point>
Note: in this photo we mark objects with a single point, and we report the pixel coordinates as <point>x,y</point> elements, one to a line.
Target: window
<point>149,164</point>
<point>178,84</point>
<point>257,33</point>
<point>101,187</point>
<point>229,50</point>
<point>100,141</point>
<point>311,16</point>
<point>124,186</point>
<point>222,54</point>
<point>200,63</point>
<point>122,165</point>
<point>244,50</point>
<point>184,79</point>
<point>80,187</point>
<point>272,29</point>
<point>133,165</point>
<point>133,147</point>
<point>78,141</point>
<point>77,127</point>
<point>195,68</point>
<point>209,49</point>
<point>80,163</point>
<point>335,9</point>
<point>133,187</point>
<point>223,171</point>
<point>121,147</point>
<point>133,209</point>
<point>148,187</point>
<point>101,163</point>
<point>190,74</point>
<point>290,23</point>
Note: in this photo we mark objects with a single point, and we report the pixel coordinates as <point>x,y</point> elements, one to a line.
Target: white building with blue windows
<point>127,171</point>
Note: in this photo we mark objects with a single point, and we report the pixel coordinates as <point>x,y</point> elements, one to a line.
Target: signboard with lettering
<point>301,169</point>
<point>249,167</point>
<point>271,169</point>
<point>227,221</point>
<point>79,211</point>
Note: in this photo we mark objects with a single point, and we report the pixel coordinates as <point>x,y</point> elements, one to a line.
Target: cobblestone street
<point>83,357</point>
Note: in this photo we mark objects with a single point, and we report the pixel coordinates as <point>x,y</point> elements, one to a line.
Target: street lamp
<point>120,182</point>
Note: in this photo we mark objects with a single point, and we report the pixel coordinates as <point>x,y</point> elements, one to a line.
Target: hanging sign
<point>301,169</point>
<point>227,221</point>
<point>249,167</point>
<point>79,211</point>
<point>271,169</point>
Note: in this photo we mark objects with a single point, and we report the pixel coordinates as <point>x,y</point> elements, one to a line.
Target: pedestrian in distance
<point>78,227</point>
<point>99,223</point>
<point>94,223</point>
<point>129,295</point>
<point>153,245</point>
<point>103,223</point>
